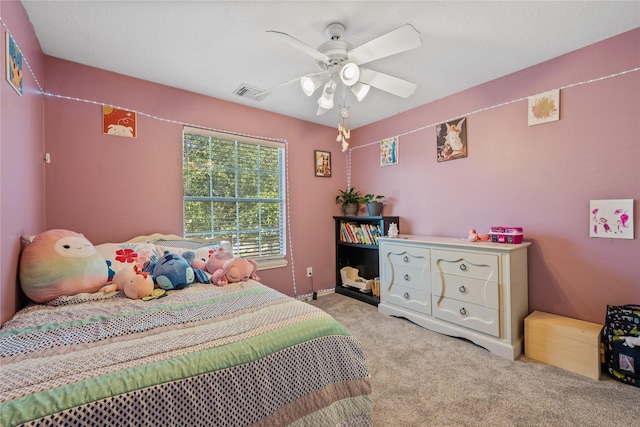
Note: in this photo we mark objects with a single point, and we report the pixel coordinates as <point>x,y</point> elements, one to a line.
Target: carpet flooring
<point>422,378</point>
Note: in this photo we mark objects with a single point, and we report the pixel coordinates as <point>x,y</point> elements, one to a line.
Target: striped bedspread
<point>239,355</point>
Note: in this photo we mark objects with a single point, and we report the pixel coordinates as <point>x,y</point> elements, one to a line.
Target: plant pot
<point>374,208</point>
<point>351,208</point>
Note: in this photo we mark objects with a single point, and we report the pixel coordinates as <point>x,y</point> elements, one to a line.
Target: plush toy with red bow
<point>135,283</point>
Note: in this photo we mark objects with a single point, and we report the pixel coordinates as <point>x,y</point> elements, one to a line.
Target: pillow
<point>60,263</point>
<point>25,240</point>
<point>125,255</point>
<point>153,237</point>
<point>202,248</point>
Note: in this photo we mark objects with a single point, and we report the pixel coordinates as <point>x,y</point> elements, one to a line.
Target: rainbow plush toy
<point>61,263</point>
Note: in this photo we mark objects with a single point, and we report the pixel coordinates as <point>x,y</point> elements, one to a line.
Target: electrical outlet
<point>309,271</point>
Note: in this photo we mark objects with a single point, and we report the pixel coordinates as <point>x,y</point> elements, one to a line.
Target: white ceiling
<point>213,47</point>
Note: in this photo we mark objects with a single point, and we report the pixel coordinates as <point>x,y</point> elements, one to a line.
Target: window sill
<point>271,263</point>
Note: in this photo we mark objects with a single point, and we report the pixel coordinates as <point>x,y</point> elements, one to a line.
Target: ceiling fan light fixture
<point>349,74</point>
<point>360,90</point>
<point>326,100</point>
<point>310,84</point>
<point>321,111</point>
<point>339,62</point>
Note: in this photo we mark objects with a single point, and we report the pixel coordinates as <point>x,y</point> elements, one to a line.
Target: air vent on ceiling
<point>251,92</point>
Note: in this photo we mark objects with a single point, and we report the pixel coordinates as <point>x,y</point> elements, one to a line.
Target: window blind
<point>233,186</point>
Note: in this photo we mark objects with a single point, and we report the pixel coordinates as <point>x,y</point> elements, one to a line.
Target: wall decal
<point>14,64</point>
<point>451,140</point>
<point>389,151</point>
<point>322,161</point>
<point>544,107</point>
<point>611,218</point>
<point>118,122</point>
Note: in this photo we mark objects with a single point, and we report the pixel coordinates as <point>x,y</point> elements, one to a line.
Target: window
<point>233,187</point>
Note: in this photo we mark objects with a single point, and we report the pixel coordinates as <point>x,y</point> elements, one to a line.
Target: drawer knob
<point>406,277</point>
<point>463,311</point>
<point>406,295</point>
<point>463,267</point>
<point>405,259</point>
<point>462,289</point>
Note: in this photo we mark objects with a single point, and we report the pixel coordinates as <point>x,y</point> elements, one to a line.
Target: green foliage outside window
<point>234,189</point>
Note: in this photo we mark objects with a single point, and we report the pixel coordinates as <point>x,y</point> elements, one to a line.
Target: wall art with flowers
<point>389,151</point>
<point>544,107</point>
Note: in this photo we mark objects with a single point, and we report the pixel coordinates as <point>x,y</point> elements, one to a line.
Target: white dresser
<point>476,291</point>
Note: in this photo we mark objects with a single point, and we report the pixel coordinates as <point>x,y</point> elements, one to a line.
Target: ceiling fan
<point>339,62</point>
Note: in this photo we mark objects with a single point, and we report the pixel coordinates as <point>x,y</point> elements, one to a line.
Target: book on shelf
<point>352,232</point>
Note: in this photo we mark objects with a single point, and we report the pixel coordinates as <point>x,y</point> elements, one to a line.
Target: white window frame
<point>264,262</point>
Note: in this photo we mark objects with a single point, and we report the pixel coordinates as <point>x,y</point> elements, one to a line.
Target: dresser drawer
<point>418,300</point>
<point>405,278</point>
<point>472,316</point>
<point>412,278</point>
<point>475,265</point>
<point>466,289</point>
<point>402,256</point>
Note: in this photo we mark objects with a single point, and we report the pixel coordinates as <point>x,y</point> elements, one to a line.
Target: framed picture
<point>544,107</point>
<point>14,64</point>
<point>118,122</point>
<point>451,140</point>
<point>322,163</point>
<point>389,151</point>
<point>611,218</point>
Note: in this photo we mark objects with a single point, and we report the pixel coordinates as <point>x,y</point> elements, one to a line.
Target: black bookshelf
<point>363,256</point>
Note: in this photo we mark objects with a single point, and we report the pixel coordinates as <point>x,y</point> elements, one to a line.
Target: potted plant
<point>349,198</point>
<point>373,202</point>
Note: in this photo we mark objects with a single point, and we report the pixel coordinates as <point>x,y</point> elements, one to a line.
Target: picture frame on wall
<point>118,122</point>
<point>322,163</point>
<point>14,64</point>
<point>611,218</point>
<point>544,107</point>
<point>389,149</point>
<point>451,140</point>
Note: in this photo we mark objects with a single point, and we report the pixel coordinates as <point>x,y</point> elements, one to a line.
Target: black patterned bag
<point>621,338</point>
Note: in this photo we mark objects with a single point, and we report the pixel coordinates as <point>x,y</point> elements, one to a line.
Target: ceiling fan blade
<point>393,85</point>
<point>399,40</point>
<point>299,45</point>
<point>297,79</point>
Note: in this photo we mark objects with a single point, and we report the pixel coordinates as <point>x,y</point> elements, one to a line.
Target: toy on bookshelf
<point>350,277</point>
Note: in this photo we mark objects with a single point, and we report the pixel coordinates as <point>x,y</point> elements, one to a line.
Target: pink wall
<point>113,188</point>
<point>21,154</point>
<point>540,178</point>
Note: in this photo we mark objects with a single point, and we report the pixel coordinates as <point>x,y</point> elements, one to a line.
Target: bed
<point>238,355</point>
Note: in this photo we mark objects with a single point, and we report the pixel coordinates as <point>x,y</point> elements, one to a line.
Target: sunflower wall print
<point>389,151</point>
<point>544,107</point>
<point>118,122</point>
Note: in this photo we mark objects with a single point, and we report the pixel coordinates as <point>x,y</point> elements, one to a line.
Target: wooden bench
<point>564,342</point>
